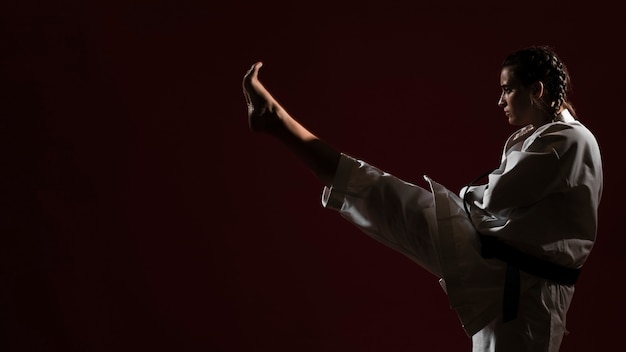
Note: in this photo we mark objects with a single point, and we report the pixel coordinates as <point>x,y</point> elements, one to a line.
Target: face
<point>516,99</point>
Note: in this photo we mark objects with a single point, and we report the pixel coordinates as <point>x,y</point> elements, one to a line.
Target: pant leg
<point>539,327</point>
<point>394,212</point>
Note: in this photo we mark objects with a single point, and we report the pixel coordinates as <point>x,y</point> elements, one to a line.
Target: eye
<point>506,89</point>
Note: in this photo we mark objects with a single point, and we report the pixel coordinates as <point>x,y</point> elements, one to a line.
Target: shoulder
<point>561,137</point>
<point>572,130</point>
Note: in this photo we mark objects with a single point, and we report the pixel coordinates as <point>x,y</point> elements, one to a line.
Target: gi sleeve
<point>526,176</point>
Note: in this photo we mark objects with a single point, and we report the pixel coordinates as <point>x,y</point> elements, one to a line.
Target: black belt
<point>491,247</point>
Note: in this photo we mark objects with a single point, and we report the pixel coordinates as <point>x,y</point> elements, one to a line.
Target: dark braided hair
<point>540,63</point>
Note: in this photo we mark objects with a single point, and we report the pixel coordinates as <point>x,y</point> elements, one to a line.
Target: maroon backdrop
<point>140,213</point>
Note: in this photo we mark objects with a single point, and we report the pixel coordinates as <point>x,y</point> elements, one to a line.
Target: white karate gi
<point>543,199</point>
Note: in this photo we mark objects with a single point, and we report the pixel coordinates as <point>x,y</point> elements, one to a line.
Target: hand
<point>262,107</point>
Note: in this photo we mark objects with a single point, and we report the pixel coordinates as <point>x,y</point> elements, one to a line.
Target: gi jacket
<point>543,200</point>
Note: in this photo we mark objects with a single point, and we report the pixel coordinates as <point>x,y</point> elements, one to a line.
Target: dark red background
<point>140,213</point>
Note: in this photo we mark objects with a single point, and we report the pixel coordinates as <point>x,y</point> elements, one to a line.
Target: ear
<point>537,89</point>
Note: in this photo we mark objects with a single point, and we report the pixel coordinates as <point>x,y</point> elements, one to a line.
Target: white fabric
<point>543,199</point>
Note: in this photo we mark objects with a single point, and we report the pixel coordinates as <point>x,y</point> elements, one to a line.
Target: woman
<point>507,252</point>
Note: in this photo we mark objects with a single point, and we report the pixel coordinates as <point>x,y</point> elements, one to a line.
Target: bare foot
<point>262,107</point>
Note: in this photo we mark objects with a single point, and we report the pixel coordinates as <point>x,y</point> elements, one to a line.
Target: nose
<point>501,101</point>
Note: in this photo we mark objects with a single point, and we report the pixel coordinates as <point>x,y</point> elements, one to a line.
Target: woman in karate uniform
<point>507,252</point>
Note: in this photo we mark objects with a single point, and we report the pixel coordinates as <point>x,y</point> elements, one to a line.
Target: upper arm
<point>529,175</point>
<point>525,179</point>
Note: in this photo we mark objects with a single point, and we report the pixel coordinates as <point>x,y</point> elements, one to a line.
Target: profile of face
<point>517,99</point>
